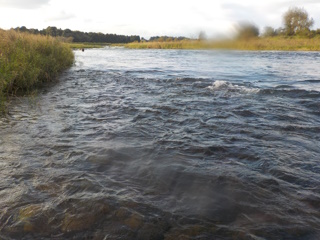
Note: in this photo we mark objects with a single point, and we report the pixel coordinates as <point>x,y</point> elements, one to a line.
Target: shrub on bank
<point>27,60</point>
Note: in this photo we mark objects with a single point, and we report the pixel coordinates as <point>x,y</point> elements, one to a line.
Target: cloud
<point>238,12</point>
<point>61,17</point>
<point>23,4</point>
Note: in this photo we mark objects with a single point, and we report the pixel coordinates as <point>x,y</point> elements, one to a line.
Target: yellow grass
<point>281,44</point>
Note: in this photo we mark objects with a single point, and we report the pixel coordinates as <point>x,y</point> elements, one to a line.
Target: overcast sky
<point>150,18</point>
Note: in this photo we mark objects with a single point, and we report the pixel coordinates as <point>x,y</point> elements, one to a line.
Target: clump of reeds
<point>27,60</point>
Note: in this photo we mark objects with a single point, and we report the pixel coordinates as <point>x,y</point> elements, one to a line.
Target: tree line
<point>167,39</point>
<point>296,23</point>
<point>78,36</point>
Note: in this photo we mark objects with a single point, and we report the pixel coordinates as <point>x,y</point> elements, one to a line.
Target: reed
<point>272,43</point>
<point>27,60</point>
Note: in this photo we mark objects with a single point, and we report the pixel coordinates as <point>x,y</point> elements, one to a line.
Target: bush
<point>27,60</point>
<point>269,32</point>
<point>247,31</point>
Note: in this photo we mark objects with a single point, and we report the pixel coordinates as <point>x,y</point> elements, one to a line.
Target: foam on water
<point>227,87</point>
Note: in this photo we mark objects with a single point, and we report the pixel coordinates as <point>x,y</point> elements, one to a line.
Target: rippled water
<point>166,144</point>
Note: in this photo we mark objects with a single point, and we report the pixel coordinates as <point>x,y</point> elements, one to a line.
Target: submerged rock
<point>85,217</point>
<point>29,211</point>
<point>73,222</point>
<point>134,221</point>
<point>25,217</point>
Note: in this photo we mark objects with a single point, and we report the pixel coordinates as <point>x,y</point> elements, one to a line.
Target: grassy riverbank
<point>273,43</point>
<point>27,60</point>
<point>87,45</point>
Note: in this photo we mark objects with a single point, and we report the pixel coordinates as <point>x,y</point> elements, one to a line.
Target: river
<point>166,144</point>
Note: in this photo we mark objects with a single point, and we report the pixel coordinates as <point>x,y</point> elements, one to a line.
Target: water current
<point>166,144</point>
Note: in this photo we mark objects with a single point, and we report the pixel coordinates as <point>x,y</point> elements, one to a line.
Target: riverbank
<point>259,44</point>
<point>27,60</point>
<point>87,45</point>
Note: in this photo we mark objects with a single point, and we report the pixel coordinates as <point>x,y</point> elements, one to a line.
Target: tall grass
<point>273,43</point>
<point>27,60</point>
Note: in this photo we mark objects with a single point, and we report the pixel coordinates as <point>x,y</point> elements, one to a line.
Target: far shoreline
<point>254,44</point>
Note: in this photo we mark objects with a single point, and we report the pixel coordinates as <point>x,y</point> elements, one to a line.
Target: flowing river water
<point>166,144</point>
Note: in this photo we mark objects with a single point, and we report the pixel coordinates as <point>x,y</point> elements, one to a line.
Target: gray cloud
<point>23,4</point>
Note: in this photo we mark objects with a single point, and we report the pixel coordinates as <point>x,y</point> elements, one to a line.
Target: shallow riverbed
<point>166,144</point>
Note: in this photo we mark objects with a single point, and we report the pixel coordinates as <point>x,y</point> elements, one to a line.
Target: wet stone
<point>28,227</point>
<point>192,232</point>
<point>131,219</point>
<point>30,219</point>
<point>84,217</point>
<point>135,221</point>
<point>122,213</point>
<point>49,188</point>
<point>77,222</point>
<point>155,231</point>
<point>29,211</point>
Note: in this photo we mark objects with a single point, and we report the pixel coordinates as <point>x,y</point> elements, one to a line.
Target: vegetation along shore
<point>26,60</point>
<point>259,44</point>
<point>294,35</point>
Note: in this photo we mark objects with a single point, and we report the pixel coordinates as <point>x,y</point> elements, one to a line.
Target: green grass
<point>27,60</point>
<point>274,43</point>
<point>87,45</point>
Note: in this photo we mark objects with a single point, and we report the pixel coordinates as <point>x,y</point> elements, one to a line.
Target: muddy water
<point>157,144</point>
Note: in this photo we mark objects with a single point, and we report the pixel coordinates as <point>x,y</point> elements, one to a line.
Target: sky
<point>148,18</point>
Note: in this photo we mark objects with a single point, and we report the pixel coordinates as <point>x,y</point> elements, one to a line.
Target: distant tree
<point>247,30</point>
<point>280,31</point>
<point>311,33</point>
<point>51,31</point>
<point>23,29</point>
<point>134,38</point>
<point>296,20</point>
<point>269,32</point>
<point>163,38</point>
<point>202,36</point>
<point>68,35</point>
<point>33,31</point>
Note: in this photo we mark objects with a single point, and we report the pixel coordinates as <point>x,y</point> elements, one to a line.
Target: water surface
<point>166,144</point>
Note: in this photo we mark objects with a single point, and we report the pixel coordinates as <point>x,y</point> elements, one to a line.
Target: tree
<point>296,20</point>
<point>280,31</point>
<point>269,32</point>
<point>247,30</point>
<point>78,36</point>
<point>51,31</point>
<point>202,36</point>
<point>23,29</point>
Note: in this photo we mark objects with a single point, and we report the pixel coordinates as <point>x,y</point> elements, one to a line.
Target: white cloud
<point>147,18</point>
<point>62,16</point>
<point>23,4</point>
